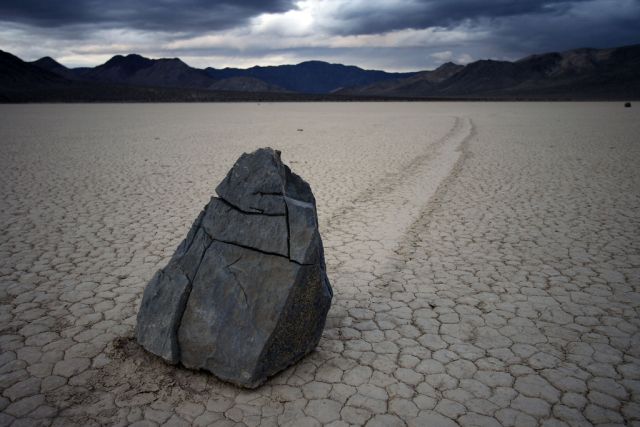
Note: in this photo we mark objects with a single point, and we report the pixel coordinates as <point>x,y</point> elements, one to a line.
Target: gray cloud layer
<point>179,15</point>
<point>370,18</point>
<point>389,34</point>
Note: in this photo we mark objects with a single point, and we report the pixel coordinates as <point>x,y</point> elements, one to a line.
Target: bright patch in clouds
<point>448,56</point>
<point>293,23</point>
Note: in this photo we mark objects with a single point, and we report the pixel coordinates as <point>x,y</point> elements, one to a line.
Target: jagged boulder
<point>246,293</point>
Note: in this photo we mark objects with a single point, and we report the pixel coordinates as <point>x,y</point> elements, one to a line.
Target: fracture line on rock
<point>253,249</point>
<point>228,203</point>
<point>189,289</point>
<point>238,282</point>
<point>286,212</point>
<point>267,193</point>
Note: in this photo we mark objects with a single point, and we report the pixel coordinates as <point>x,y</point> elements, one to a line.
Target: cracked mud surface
<point>485,260</point>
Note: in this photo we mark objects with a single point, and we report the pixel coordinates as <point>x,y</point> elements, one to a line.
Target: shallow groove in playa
<point>369,230</point>
<point>397,178</point>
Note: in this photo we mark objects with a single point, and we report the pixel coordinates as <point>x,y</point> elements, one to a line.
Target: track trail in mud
<point>364,236</point>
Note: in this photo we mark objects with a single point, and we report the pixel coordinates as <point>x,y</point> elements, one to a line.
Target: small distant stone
<point>627,105</point>
<point>300,130</point>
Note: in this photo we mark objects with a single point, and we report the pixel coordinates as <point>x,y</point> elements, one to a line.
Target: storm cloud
<point>386,34</point>
<point>362,17</point>
<point>179,15</point>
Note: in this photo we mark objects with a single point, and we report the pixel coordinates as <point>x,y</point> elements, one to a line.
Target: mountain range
<point>306,77</point>
<point>310,76</point>
<point>612,73</point>
<point>22,81</point>
<point>576,74</point>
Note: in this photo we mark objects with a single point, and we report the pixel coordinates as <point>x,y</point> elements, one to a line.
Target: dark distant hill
<point>15,74</point>
<point>136,70</point>
<point>310,76</point>
<point>576,74</point>
<point>422,82</point>
<point>50,64</point>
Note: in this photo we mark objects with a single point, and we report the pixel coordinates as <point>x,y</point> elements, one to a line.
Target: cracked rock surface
<point>246,294</point>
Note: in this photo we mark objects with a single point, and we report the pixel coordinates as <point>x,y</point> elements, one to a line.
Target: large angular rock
<point>246,293</point>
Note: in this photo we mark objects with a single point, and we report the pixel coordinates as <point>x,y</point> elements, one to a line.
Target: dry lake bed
<point>485,259</point>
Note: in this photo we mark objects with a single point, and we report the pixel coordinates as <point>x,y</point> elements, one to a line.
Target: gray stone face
<point>304,239</point>
<point>246,293</point>
<point>162,305</point>
<point>255,184</point>
<point>265,233</point>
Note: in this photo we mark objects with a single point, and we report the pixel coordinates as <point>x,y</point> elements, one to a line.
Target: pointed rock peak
<point>176,61</point>
<point>46,59</point>
<point>131,61</point>
<point>115,59</point>
<point>314,62</point>
<point>258,182</point>
<point>48,62</point>
<point>173,60</point>
<point>135,56</point>
<point>448,65</point>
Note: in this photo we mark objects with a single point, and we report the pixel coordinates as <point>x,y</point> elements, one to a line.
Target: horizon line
<point>151,57</point>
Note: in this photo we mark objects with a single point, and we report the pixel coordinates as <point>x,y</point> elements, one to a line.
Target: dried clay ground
<point>485,260</point>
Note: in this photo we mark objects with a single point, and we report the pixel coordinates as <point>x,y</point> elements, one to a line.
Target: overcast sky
<point>394,35</point>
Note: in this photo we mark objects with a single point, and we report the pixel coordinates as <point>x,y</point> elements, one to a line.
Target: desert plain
<point>484,257</point>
